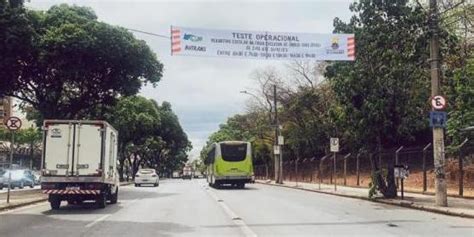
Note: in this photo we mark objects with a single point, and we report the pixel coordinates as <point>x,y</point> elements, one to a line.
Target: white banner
<point>261,45</point>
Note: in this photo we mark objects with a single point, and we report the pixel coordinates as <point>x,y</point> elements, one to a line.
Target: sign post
<point>401,172</point>
<point>335,149</point>
<point>438,122</point>
<point>13,124</point>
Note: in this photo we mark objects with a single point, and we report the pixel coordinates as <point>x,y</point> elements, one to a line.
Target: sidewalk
<point>456,206</point>
<point>23,198</point>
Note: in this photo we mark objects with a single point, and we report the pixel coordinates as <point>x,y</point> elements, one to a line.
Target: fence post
<point>296,171</point>
<point>313,166</point>
<point>461,168</point>
<point>331,176</point>
<point>397,161</point>
<point>345,167</point>
<point>357,168</point>
<point>424,166</point>
<point>321,169</point>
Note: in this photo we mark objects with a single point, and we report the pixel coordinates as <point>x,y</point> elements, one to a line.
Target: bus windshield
<point>234,152</point>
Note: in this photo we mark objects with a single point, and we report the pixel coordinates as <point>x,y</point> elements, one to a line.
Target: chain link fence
<point>354,169</point>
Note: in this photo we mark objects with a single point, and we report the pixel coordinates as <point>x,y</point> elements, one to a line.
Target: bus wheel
<point>241,185</point>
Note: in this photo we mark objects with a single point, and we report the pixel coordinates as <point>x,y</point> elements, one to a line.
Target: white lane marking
<point>97,220</point>
<point>23,208</point>
<point>235,218</point>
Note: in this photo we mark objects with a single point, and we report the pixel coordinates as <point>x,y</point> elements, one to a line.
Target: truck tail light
<point>46,172</point>
<point>98,171</point>
<point>93,186</point>
<point>47,186</point>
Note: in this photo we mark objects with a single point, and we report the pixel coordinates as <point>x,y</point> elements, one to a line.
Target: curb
<point>394,203</point>
<point>13,206</point>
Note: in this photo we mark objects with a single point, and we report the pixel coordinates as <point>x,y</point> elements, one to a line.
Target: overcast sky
<point>205,91</point>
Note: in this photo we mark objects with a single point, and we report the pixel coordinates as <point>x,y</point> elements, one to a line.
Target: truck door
<point>59,149</point>
<point>88,149</point>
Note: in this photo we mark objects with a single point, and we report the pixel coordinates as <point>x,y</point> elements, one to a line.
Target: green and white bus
<point>230,162</point>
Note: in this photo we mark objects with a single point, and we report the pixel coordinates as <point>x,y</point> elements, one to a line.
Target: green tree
<point>149,135</point>
<point>70,65</point>
<point>135,118</point>
<point>383,93</point>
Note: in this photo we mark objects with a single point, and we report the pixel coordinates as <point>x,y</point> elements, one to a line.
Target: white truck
<point>79,162</point>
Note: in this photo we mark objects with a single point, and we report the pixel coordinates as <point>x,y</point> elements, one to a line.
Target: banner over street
<point>261,45</point>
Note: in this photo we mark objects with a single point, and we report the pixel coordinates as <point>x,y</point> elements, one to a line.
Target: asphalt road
<point>190,208</point>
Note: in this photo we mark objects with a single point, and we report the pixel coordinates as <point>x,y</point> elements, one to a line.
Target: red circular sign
<point>438,102</point>
<point>13,123</point>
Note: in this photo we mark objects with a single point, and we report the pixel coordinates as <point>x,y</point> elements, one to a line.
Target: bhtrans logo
<point>335,43</point>
<point>193,38</point>
<point>334,47</point>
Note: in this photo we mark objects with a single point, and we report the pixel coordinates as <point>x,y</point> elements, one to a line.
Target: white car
<point>147,176</point>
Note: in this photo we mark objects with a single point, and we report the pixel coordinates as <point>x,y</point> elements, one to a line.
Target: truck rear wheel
<point>114,197</point>
<point>101,200</point>
<point>55,202</point>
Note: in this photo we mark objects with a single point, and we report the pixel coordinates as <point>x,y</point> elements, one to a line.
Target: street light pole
<point>438,132</point>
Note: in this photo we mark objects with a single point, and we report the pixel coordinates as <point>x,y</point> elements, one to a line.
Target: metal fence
<point>354,169</point>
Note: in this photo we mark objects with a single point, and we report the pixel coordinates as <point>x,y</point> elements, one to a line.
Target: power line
<point>149,33</point>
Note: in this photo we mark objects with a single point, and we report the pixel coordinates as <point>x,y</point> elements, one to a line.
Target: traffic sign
<point>438,102</point>
<point>334,144</point>
<point>276,150</point>
<point>438,119</point>
<point>13,123</point>
<point>281,140</point>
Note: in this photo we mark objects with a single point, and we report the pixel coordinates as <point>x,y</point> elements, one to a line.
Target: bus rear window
<point>234,152</point>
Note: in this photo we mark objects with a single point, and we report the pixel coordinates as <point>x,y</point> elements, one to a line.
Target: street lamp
<point>279,155</point>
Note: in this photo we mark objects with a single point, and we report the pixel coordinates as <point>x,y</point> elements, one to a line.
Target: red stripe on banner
<point>176,43</point>
<point>350,44</point>
<point>350,38</point>
<point>350,50</point>
<point>176,50</point>
<point>175,31</point>
<point>351,54</point>
<point>175,36</point>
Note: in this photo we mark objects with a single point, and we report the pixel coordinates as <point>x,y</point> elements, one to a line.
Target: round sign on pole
<point>438,102</point>
<point>13,123</point>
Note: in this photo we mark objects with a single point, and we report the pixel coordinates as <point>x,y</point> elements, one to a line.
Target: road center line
<point>97,220</point>
<point>235,218</point>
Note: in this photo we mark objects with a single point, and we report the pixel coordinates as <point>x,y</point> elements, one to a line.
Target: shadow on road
<point>228,187</point>
<point>89,207</point>
<point>38,225</point>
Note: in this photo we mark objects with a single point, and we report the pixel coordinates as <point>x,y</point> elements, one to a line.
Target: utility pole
<point>438,132</point>
<point>277,133</point>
